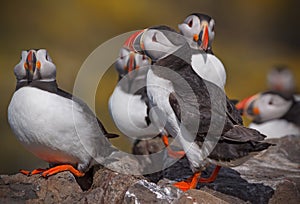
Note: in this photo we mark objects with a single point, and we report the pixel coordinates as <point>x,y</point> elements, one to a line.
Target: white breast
<point>210,68</point>
<point>276,128</point>
<point>52,127</point>
<point>129,113</point>
<point>158,90</point>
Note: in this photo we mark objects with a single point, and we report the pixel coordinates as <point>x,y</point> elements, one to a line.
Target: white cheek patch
<point>160,47</point>
<point>276,109</point>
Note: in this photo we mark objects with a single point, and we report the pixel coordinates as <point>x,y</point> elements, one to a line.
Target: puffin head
<point>198,28</point>
<point>265,106</point>
<point>281,79</point>
<point>130,60</point>
<point>156,42</point>
<point>43,67</point>
<point>24,69</point>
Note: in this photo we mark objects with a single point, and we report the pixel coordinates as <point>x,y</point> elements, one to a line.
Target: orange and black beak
<point>131,64</point>
<point>133,42</point>
<point>247,107</point>
<point>30,64</point>
<point>203,38</point>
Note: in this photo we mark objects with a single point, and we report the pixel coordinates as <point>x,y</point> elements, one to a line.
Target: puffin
<point>199,115</point>
<point>199,30</point>
<point>130,92</point>
<point>273,113</point>
<point>281,79</point>
<point>54,125</point>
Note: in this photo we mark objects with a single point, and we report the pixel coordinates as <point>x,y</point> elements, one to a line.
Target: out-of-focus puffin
<point>281,79</point>
<point>129,103</point>
<point>193,105</point>
<point>274,114</point>
<point>51,123</point>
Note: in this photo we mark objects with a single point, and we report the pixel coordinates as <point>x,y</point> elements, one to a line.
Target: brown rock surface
<point>273,177</point>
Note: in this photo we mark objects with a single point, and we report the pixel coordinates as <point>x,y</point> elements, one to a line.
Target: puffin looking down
<point>273,113</point>
<point>129,103</point>
<point>183,108</point>
<point>51,123</point>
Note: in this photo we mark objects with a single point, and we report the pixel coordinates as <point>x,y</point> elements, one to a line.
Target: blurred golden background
<point>251,37</point>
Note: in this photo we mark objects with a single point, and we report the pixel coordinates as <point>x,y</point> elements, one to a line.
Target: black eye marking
<point>190,24</point>
<point>154,38</point>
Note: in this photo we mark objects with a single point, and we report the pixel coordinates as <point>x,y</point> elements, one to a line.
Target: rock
<point>273,177</point>
<point>144,191</point>
<point>207,196</point>
<point>35,189</point>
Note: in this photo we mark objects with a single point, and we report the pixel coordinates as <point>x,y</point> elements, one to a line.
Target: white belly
<point>210,69</point>
<point>52,127</point>
<point>129,113</point>
<point>276,128</point>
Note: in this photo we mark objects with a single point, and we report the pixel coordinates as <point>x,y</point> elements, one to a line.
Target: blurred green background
<point>251,36</point>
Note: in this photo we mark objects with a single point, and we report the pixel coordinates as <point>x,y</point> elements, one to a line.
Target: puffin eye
<point>190,24</point>
<point>270,102</point>
<point>144,57</point>
<point>213,28</point>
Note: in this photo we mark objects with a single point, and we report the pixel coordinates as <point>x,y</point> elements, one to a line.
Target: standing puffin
<point>191,104</point>
<point>199,31</point>
<point>129,103</point>
<point>273,113</point>
<point>51,123</point>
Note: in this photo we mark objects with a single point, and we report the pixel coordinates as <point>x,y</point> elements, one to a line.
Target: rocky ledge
<point>273,177</point>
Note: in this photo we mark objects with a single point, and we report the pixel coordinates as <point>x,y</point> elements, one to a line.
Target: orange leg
<point>35,171</point>
<point>212,177</point>
<point>172,153</point>
<point>61,168</point>
<point>191,183</point>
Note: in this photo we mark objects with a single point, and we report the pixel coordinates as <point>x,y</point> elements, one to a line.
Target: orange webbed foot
<point>175,154</point>
<point>61,168</point>
<point>171,153</point>
<point>183,185</point>
<point>29,173</point>
<point>212,177</point>
<point>191,183</point>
